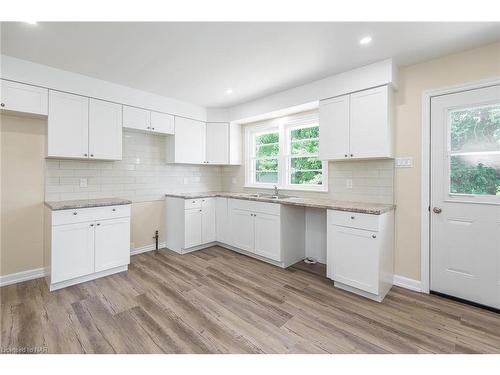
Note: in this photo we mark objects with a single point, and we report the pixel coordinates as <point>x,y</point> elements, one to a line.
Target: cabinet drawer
<point>263,207</point>
<point>192,203</point>
<point>354,220</point>
<point>81,215</point>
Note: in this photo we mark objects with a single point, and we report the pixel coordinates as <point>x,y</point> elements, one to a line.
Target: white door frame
<point>426,169</point>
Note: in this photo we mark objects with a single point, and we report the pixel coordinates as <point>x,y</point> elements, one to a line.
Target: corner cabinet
<point>87,243</point>
<point>357,125</point>
<point>83,128</point>
<point>360,252</point>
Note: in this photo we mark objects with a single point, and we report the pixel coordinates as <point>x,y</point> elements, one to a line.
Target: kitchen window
<point>284,152</point>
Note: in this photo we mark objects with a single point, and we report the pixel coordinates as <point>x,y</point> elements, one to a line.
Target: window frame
<point>284,126</point>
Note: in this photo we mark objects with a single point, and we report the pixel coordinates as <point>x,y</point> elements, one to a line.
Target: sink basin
<point>268,196</point>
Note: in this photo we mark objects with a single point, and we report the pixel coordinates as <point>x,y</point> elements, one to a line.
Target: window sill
<point>322,189</point>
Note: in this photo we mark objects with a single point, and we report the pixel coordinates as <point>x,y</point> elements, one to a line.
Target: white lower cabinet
<point>189,223</point>
<point>360,252</point>
<point>256,227</point>
<point>83,244</point>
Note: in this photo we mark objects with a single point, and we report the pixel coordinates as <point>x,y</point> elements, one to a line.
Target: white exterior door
<point>72,251</point>
<point>192,227</point>
<point>208,231</point>
<point>105,130</point>
<point>334,128</point>
<point>267,236</point>
<point>112,243</point>
<point>217,143</point>
<point>68,125</point>
<point>465,195</point>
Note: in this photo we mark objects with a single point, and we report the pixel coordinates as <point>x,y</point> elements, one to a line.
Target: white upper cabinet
<point>162,123</point>
<point>105,130</point>
<point>149,121</point>
<point>334,128</point>
<point>370,130</point>
<point>235,144</point>
<point>188,144</point>
<point>68,125</point>
<point>136,118</point>
<point>217,143</point>
<point>357,126</point>
<point>18,97</point>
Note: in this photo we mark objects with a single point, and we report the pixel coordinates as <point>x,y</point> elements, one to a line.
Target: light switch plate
<point>83,182</point>
<point>404,162</point>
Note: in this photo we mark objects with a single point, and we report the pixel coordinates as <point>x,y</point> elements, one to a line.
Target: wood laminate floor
<point>217,301</point>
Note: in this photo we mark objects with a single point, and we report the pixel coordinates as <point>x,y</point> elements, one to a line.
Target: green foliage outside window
<point>475,130</point>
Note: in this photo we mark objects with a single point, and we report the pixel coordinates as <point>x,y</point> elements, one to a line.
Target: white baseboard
<point>19,277</point>
<point>144,249</point>
<point>407,283</point>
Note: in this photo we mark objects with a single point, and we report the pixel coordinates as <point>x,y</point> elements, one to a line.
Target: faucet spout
<point>276,191</point>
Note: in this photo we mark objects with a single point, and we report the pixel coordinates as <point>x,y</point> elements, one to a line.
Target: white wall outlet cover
<point>404,162</point>
<point>83,182</point>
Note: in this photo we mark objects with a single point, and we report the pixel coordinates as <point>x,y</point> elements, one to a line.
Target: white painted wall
<point>316,234</point>
<point>45,76</point>
<point>377,74</point>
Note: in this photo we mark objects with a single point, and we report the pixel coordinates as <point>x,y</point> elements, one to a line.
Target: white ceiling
<point>197,62</point>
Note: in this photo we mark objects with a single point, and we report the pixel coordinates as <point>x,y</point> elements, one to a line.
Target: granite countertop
<point>86,203</point>
<point>360,207</point>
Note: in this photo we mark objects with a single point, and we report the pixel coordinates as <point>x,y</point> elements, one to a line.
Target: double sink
<point>269,196</point>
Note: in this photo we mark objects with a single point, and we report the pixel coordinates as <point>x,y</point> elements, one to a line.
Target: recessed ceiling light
<point>365,40</point>
<point>229,91</point>
<point>30,22</point>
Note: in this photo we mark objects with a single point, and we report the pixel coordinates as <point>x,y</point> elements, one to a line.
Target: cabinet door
<point>267,236</point>
<point>221,219</point>
<point>208,233</point>
<point>162,123</point>
<point>192,227</point>
<point>68,125</point>
<point>242,229</point>
<point>112,243</point>
<point>136,118</point>
<point>72,252</point>
<point>217,143</point>
<point>105,130</point>
<point>334,128</point>
<point>370,129</point>
<point>19,97</point>
<point>189,141</point>
<point>353,255</point>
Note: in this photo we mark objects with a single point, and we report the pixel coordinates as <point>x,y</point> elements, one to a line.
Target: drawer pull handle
<point>98,224</point>
<point>193,202</point>
<point>114,209</point>
<point>374,236</point>
<point>352,217</point>
<point>91,225</point>
<point>74,213</point>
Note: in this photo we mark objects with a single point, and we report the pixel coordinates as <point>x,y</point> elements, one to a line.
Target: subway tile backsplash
<point>142,175</point>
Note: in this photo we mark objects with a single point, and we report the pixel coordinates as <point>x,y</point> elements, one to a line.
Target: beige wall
<point>468,66</point>
<point>22,163</point>
<point>146,218</point>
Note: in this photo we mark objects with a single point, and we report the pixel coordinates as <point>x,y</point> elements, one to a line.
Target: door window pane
<point>475,174</point>
<point>475,129</point>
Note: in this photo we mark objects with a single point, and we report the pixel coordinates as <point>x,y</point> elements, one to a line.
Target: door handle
<point>437,210</point>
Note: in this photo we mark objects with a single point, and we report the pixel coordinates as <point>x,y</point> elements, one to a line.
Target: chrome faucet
<point>276,192</point>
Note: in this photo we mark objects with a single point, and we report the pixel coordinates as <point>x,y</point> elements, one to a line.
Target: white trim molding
<point>407,283</point>
<point>144,249</point>
<point>19,277</point>
<point>426,169</point>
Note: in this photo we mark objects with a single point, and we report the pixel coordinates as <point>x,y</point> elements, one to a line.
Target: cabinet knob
<point>193,202</point>
<point>91,155</point>
<point>345,155</point>
<point>74,213</point>
<point>200,210</point>
<point>352,217</point>
<point>352,155</point>
<point>153,128</point>
<point>91,225</point>
<point>114,209</point>
<point>98,224</point>
<point>2,104</point>
<point>374,236</point>
<point>85,155</point>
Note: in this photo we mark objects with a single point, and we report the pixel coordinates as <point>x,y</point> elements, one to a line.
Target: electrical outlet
<point>83,182</point>
<point>404,162</point>
<point>348,183</point>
